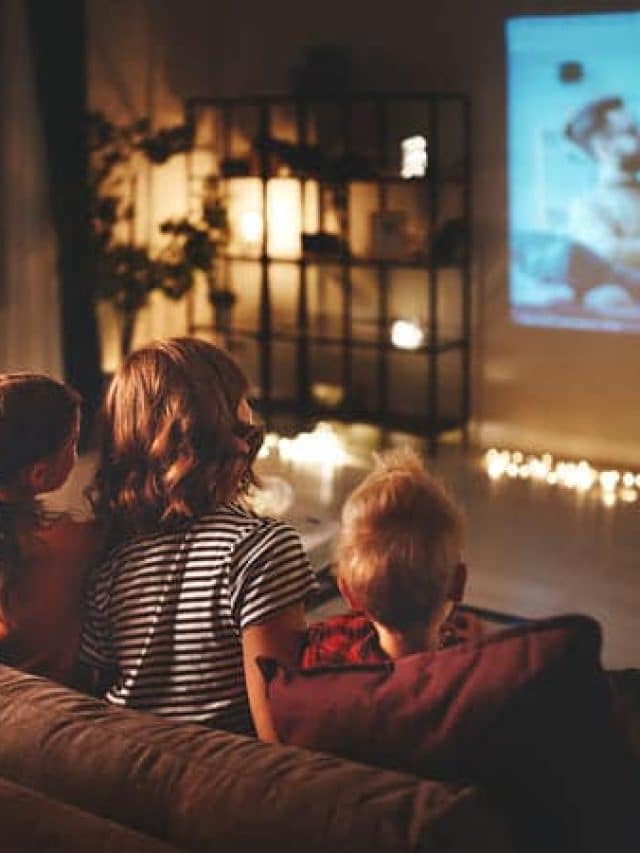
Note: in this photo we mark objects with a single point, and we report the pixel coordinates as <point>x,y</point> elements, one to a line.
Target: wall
<point>568,392</point>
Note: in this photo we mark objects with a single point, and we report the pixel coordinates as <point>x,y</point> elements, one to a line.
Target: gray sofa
<point>78,775</point>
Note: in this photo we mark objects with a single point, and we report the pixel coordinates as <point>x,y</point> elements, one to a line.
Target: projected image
<point>574,171</point>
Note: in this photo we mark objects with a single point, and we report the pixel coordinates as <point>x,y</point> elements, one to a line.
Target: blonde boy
<point>398,566</point>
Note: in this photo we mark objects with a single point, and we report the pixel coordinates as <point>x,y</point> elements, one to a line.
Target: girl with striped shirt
<point>194,587</point>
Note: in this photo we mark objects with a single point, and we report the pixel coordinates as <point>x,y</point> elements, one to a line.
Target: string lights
<point>610,485</point>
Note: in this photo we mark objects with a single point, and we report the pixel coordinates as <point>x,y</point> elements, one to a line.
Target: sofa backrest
<point>30,822</point>
<point>199,789</point>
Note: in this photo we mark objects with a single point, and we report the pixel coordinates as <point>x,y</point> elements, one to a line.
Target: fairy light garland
<point>610,485</point>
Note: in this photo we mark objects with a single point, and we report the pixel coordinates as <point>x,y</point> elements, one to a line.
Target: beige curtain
<point>30,328</point>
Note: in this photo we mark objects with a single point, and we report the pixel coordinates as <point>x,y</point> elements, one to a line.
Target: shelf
<point>388,180</point>
<point>316,260</point>
<point>313,339</point>
<point>356,133</point>
<point>347,98</point>
<point>421,424</point>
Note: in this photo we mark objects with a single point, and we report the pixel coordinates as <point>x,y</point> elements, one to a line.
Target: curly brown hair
<point>173,447</point>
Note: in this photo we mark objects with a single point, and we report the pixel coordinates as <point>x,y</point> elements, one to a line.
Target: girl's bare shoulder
<point>72,541</point>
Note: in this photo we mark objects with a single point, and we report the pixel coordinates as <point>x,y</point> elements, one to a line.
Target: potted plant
<point>198,245</point>
<point>125,273</point>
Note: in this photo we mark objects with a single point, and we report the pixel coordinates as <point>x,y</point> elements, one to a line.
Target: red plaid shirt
<point>352,638</point>
<point>348,638</point>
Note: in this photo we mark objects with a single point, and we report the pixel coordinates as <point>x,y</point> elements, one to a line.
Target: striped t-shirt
<point>167,611</point>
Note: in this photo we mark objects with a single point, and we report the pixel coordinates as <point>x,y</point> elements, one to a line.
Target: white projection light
<point>414,157</point>
<point>572,143</point>
<point>406,335</point>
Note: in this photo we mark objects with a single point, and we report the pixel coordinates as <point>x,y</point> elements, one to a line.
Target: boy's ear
<point>345,592</point>
<point>458,583</point>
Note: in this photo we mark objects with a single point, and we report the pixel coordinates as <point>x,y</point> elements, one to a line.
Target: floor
<point>533,550</point>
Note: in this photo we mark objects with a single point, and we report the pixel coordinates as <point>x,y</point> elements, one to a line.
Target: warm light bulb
<point>406,335</point>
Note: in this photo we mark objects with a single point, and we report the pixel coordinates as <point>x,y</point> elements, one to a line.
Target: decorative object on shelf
<point>310,161</point>
<point>324,245</point>
<point>289,158</point>
<point>124,272</point>
<point>449,242</point>
<point>415,158</point>
<point>388,234</point>
<point>235,167</point>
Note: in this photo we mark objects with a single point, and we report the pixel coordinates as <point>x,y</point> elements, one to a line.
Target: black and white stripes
<point>168,610</point>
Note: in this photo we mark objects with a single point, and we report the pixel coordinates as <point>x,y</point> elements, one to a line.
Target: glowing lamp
<point>251,228</point>
<point>406,335</point>
<point>414,157</point>
<point>284,218</point>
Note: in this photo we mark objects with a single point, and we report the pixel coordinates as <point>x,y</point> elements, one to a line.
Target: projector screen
<point>574,171</point>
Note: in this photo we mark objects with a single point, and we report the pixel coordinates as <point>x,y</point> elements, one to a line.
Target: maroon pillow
<point>525,712</point>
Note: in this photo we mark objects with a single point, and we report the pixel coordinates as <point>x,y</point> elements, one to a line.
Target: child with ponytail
<point>43,556</point>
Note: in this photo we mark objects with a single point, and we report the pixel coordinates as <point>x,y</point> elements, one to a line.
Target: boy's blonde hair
<point>395,543</point>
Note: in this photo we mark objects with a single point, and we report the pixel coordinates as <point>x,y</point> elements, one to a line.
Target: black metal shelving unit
<point>445,121</point>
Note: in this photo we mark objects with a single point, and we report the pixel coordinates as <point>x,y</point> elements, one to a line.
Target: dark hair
<point>172,446</point>
<point>589,120</point>
<point>37,416</point>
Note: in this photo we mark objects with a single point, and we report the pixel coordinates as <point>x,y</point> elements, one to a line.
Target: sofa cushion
<point>213,791</point>
<point>524,711</point>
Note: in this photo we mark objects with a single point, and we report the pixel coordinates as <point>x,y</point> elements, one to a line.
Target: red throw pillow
<point>524,711</point>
